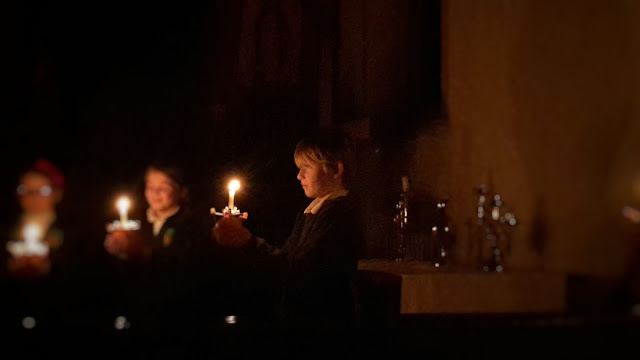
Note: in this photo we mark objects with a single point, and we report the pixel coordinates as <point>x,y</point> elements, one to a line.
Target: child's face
<point>316,181</point>
<point>160,191</point>
<point>36,193</point>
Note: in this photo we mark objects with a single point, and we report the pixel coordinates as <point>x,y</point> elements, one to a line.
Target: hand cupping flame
<point>230,232</point>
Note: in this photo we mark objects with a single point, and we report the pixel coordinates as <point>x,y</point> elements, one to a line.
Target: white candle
<point>32,245</point>
<point>31,233</point>
<point>233,186</point>
<point>123,207</point>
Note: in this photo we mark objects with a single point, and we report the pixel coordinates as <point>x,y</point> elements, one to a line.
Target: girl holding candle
<point>165,224</point>
<point>317,265</point>
<point>155,262</point>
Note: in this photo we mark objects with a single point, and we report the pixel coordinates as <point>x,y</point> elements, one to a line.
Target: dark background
<point>104,88</point>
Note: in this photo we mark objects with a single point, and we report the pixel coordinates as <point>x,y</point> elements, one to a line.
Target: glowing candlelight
<point>123,205</point>
<point>234,185</point>
<point>32,244</point>
<point>32,234</point>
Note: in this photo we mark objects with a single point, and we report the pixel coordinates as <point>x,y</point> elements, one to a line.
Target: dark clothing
<point>317,266</point>
<point>24,296</point>
<point>59,299</point>
<point>156,292</point>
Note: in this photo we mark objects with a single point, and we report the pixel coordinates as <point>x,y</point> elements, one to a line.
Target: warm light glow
<point>123,204</point>
<point>32,244</point>
<point>32,233</point>
<point>234,185</point>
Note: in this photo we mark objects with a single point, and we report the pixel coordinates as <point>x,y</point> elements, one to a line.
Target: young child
<point>164,231</point>
<point>317,265</point>
<point>39,191</point>
<point>154,263</point>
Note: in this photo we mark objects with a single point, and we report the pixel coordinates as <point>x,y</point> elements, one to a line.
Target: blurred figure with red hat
<point>40,189</point>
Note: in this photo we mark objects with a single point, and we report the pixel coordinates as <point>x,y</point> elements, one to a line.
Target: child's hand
<point>30,267</point>
<point>229,232</point>
<point>123,244</point>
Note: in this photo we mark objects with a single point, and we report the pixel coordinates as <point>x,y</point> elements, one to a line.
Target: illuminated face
<point>160,191</point>
<point>36,194</point>
<point>316,181</point>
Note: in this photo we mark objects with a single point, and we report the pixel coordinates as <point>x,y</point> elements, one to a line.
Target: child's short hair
<point>328,147</point>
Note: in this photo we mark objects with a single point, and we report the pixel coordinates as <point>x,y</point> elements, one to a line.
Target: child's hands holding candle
<point>229,232</point>
<point>125,244</point>
<point>29,267</point>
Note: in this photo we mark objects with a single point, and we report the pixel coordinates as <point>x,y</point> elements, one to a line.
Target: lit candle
<point>32,245</point>
<point>32,234</point>
<point>233,186</point>
<point>123,204</point>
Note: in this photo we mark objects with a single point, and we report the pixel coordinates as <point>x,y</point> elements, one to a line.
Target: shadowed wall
<point>543,107</point>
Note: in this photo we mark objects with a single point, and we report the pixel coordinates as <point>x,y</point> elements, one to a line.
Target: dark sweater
<point>157,290</point>
<point>316,267</point>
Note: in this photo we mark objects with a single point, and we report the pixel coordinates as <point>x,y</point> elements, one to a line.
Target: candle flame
<point>123,204</point>
<point>32,231</point>
<point>234,185</point>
